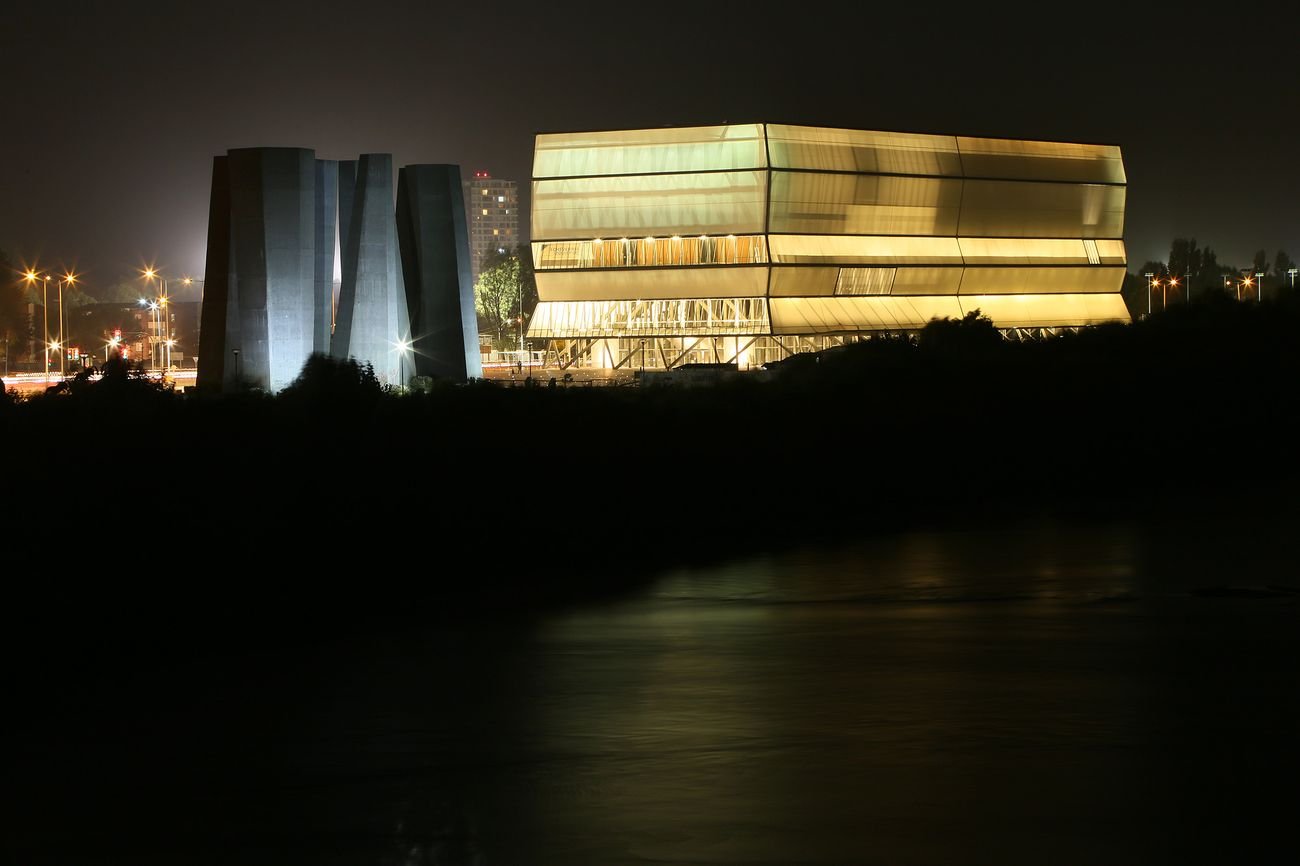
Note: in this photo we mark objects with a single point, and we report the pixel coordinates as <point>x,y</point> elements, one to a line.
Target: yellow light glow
<point>30,276</point>
<point>1173,281</point>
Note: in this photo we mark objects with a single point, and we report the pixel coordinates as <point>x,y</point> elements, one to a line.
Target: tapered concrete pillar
<point>434,242</point>
<point>372,325</point>
<point>261,269</point>
<point>326,218</point>
<point>213,337</point>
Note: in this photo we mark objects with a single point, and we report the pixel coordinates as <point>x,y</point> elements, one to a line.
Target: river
<point>1040,692</point>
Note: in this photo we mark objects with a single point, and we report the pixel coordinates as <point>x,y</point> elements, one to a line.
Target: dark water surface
<point>1041,693</point>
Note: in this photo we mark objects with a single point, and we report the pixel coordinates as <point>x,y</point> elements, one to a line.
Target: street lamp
<point>1171,283</point>
<point>158,308</point>
<point>1151,288</point>
<point>1259,287</point>
<point>68,279</point>
<point>1247,282</point>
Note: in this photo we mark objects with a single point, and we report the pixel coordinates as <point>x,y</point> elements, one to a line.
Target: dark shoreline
<point>332,505</point>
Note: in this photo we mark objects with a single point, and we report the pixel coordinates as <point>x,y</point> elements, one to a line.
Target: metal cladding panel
<point>1048,311</point>
<point>1021,209</point>
<point>613,207</point>
<point>927,281</point>
<point>1041,160</point>
<point>864,250</point>
<point>434,243</point>
<point>1023,251</point>
<point>647,283</point>
<point>372,315</point>
<point>805,281</point>
<point>862,151</point>
<point>860,204</point>
<point>326,226</point>
<point>1112,252</point>
<point>272,200</point>
<point>1037,281</point>
<point>848,314</point>
<point>216,283</point>
<point>649,151</point>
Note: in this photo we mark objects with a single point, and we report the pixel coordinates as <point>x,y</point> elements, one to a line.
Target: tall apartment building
<point>492,214</point>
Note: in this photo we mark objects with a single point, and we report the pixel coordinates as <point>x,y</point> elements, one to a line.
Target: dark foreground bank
<point>334,500</point>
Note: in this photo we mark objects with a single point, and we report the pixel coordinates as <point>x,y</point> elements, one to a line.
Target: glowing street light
<point>403,346</point>
<point>156,307</point>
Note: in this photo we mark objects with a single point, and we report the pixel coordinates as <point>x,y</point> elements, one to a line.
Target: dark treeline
<point>146,511</point>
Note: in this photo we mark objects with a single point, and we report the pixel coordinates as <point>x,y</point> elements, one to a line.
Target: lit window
<point>496,231</point>
<point>484,211</point>
<point>501,198</point>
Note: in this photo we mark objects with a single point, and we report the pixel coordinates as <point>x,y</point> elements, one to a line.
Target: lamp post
<point>1247,282</point>
<point>45,319</point>
<point>1259,287</point>
<point>68,279</point>
<point>31,277</point>
<point>1151,287</point>
<point>1292,272</point>
<point>159,309</point>
<point>403,346</point>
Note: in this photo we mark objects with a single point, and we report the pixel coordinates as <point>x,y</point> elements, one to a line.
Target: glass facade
<point>785,232</point>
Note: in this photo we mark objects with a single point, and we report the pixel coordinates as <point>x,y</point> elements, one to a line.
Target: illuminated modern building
<point>746,243</point>
<point>492,212</point>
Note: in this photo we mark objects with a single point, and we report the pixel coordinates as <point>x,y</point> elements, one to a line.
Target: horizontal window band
<point>686,233</point>
<point>956,266</point>
<point>771,169</point>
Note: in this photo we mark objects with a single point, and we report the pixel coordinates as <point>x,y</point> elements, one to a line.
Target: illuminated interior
<point>777,237</point>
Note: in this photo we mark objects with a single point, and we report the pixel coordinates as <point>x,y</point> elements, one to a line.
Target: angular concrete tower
<point>372,324</point>
<point>434,243</point>
<point>327,179</point>
<point>261,267</point>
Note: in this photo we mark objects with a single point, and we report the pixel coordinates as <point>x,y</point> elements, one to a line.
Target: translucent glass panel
<point>1041,210</point>
<point>845,314</point>
<point>864,204</point>
<point>724,282</point>
<point>855,250</point>
<point>649,151</point>
<point>1023,251</point>
<point>651,252</point>
<point>1046,311</point>
<point>1112,252</point>
<point>1025,281</point>
<point>684,317</point>
<point>1040,160</point>
<point>722,203</point>
<point>862,151</point>
<point>803,281</point>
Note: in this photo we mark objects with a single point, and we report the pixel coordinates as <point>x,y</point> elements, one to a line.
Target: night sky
<point>114,111</point>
